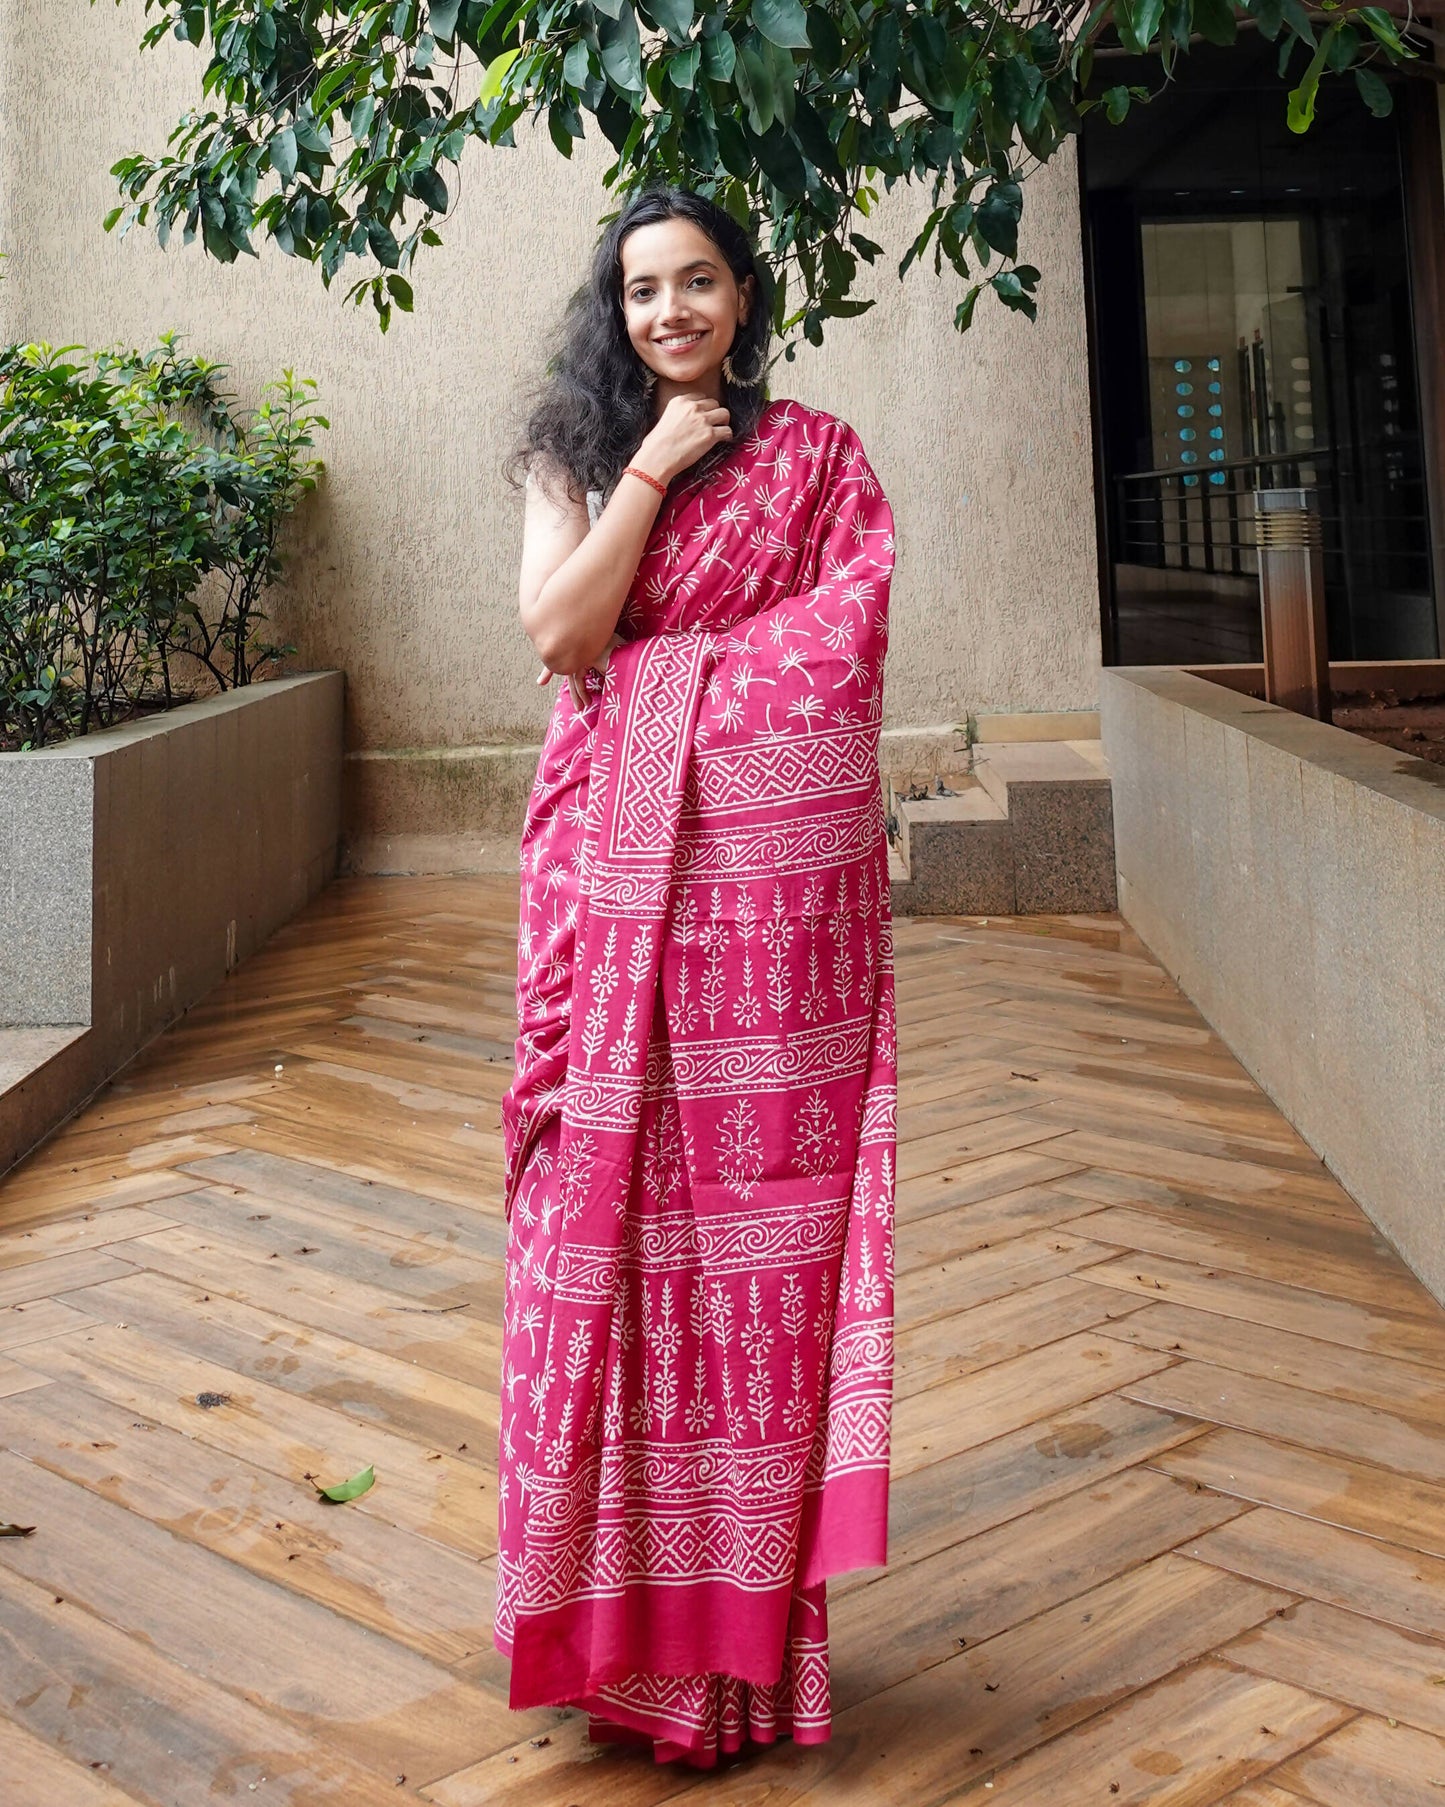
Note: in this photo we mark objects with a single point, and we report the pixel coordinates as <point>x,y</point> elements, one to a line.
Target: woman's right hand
<point>688,427</point>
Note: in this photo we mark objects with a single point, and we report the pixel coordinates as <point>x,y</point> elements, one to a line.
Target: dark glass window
<point>1251,329</point>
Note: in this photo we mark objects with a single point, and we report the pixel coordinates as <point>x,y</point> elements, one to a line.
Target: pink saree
<point>699,1136</point>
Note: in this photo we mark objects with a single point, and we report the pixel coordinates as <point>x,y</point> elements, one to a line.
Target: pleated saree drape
<point>699,1136</point>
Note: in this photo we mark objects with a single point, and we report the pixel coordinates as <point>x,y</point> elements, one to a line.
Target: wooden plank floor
<point>1169,1518</point>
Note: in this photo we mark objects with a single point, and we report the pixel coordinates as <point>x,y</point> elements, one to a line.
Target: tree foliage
<point>139,523</point>
<point>337,128</point>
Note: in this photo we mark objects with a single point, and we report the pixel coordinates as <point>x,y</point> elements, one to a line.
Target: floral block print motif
<point>700,1141</point>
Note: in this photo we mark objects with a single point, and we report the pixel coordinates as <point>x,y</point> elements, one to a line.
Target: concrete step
<point>954,852</point>
<point>25,1047</point>
<point>964,800</point>
<point>1001,767</point>
<point>1029,831</point>
<point>34,1058</point>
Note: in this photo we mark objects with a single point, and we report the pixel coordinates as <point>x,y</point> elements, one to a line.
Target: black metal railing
<point>1202,518</point>
<point>1184,570</point>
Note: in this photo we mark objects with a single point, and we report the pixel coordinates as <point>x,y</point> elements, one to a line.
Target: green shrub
<point>140,515</point>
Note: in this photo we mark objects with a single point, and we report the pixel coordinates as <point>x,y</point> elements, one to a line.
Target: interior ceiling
<point>1188,144</point>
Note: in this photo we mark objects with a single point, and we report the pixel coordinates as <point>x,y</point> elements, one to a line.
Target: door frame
<point>1423,179</point>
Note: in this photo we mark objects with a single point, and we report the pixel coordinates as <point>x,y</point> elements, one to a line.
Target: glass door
<point>1252,330</point>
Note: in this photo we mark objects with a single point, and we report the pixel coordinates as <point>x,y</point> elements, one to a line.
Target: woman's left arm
<point>552,532</point>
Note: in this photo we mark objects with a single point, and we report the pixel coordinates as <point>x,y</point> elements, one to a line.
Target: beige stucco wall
<point>404,569</point>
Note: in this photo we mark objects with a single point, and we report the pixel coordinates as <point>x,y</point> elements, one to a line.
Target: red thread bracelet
<point>631,470</point>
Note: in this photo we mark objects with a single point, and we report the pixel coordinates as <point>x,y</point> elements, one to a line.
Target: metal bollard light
<point>1292,601</point>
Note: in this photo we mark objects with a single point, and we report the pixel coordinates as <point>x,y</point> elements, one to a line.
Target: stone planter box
<point>138,866</point>
<point>1291,876</point>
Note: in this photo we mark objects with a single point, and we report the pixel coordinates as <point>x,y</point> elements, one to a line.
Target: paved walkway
<point>1169,1520</point>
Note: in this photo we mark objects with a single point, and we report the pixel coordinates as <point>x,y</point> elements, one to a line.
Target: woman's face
<point>681,302</point>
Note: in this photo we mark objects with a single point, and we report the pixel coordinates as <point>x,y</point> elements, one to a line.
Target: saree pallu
<point>699,1136</point>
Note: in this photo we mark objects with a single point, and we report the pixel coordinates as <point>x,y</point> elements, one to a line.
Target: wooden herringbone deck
<point>1169,1521</point>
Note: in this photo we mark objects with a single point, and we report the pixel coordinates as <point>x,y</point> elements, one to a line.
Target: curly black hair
<point>595,408</point>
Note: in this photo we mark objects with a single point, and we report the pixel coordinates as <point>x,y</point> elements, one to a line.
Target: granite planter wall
<point>1291,876</point>
<point>138,866</point>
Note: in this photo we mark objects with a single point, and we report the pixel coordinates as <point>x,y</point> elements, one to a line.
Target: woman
<point>700,1132</point>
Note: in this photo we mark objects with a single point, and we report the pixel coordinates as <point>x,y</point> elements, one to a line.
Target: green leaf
<point>216,240</point>
<point>927,67</point>
<point>283,154</point>
<point>1302,99</point>
<point>312,134</point>
<point>1375,93</point>
<point>812,135</point>
<point>755,85</point>
<point>1006,284</point>
<point>400,291</point>
<point>997,217</point>
<point>732,147</point>
<point>577,64</point>
<point>963,313</point>
<point>348,1490</point>
<point>616,119</point>
<point>783,78</point>
<point>824,38</point>
<point>1146,17</point>
<point>699,139</point>
<point>782,22</point>
<point>442,18</point>
<point>839,266</point>
<point>429,188</point>
<point>1384,28</point>
<point>1216,22</point>
<point>384,247</point>
<point>781,161</point>
<point>496,74</point>
<point>682,68</point>
<point>674,16</point>
<point>1116,103</point>
<point>719,57</point>
<point>621,50</point>
<point>887,46</point>
<point>1296,15</point>
<point>110,219</point>
<point>344,75</point>
<point>1269,15</point>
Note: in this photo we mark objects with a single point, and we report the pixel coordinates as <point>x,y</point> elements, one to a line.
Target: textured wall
<point>405,570</point>
<point>1291,876</point>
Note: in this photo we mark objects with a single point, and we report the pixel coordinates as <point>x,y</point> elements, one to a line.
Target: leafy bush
<point>140,515</point>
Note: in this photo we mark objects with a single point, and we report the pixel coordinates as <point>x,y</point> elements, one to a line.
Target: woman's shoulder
<point>785,411</point>
<point>817,425</point>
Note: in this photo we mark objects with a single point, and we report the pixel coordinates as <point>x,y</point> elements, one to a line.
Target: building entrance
<point>1252,328</point>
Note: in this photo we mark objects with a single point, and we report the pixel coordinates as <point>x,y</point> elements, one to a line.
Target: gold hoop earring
<point>740,382</point>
